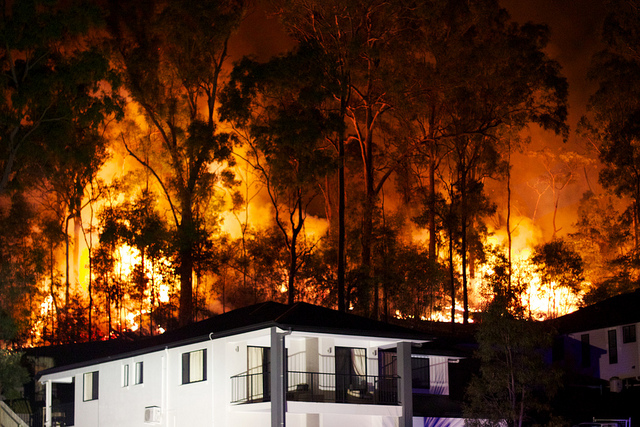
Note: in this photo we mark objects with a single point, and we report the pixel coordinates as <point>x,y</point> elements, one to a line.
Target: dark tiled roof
<point>618,310</point>
<point>297,317</point>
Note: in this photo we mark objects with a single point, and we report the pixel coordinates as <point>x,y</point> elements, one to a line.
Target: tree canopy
<point>147,177</point>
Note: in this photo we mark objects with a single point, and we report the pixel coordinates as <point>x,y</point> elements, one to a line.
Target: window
<point>351,372</point>
<point>194,366</point>
<point>139,373</point>
<point>557,351</point>
<point>258,379</point>
<point>586,350</point>
<point>90,386</point>
<point>613,347</point>
<point>125,375</point>
<point>420,372</point>
<point>629,334</point>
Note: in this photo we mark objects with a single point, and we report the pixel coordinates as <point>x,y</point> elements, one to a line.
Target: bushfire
<point>343,156</point>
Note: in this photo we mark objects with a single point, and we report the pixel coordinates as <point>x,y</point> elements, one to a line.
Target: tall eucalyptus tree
<point>173,54</point>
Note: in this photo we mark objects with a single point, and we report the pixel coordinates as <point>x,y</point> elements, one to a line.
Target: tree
<point>559,267</point>
<point>478,79</point>
<point>172,54</point>
<point>415,283</point>
<point>69,166</point>
<point>282,112</point>
<point>360,40</point>
<point>560,172</point>
<point>22,267</point>
<point>515,384</point>
<point>497,283</point>
<point>107,282</point>
<point>57,89</point>
<point>140,226</point>
<point>49,83</point>
<point>12,374</point>
<point>603,240</point>
<point>612,124</point>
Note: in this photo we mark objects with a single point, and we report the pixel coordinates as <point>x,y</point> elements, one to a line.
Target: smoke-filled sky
<point>575,36</point>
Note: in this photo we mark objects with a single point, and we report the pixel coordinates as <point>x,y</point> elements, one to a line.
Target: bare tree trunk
<point>90,284</point>
<point>186,230</point>
<point>77,229</point>
<point>509,237</point>
<point>367,220</point>
<point>344,99</point>
<point>432,206</point>
<point>341,227</point>
<point>636,224</point>
<point>295,233</point>
<point>67,272</point>
<point>463,241</point>
<point>52,291</point>
<point>452,277</point>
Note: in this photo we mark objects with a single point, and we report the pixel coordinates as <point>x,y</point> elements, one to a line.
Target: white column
<point>278,400</point>
<point>405,388</point>
<point>47,403</point>
<point>164,392</point>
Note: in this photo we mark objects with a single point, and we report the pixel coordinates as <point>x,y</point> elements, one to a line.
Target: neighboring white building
<point>600,341</point>
<point>264,365</point>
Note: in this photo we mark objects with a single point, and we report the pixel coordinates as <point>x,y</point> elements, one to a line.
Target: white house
<point>265,365</point>
<point>600,341</point>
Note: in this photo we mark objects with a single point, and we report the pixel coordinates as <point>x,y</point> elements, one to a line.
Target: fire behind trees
<point>195,185</point>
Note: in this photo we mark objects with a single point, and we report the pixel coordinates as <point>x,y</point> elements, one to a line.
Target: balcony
<point>62,414</point>
<point>318,387</point>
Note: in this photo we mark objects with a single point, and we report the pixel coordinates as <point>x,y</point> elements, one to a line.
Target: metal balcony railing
<point>250,388</point>
<point>318,387</point>
<point>62,414</point>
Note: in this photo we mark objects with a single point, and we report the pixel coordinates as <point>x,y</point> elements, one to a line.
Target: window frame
<point>188,366</point>
<point>629,334</point>
<point>125,375</point>
<point>94,383</point>
<point>259,372</point>
<point>416,379</point>
<point>612,339</point>
<point>585,351</point>
<point>139,373</point>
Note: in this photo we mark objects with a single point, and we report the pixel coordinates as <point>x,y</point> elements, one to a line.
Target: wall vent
<point>152,415</point>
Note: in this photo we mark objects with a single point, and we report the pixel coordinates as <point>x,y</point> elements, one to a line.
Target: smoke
<point>574,39</point>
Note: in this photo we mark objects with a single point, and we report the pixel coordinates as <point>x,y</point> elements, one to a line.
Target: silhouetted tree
<point>559,267</point>
<point>280,107</point>
<point>172,54</point>
<point>515,384</point>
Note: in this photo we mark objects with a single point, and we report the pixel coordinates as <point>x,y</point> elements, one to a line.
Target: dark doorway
<point>351,373</point>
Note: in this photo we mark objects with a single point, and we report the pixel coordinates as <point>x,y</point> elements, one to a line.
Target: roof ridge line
<point>288,309</point>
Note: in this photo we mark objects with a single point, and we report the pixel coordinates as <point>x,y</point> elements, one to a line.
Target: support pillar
<point>48,387</point>
<point>405,387</point>
<point>278,401</point>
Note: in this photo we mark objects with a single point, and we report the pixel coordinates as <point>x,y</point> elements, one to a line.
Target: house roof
<point>300,316</point>
<point>618,310</point>
<point>297,317</point>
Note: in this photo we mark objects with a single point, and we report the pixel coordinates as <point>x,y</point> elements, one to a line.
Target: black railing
<point>62,414</point>
<point>250,388</point>
<point>318,387</point>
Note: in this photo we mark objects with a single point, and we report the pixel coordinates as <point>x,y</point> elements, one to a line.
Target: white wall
<point>207,403</point>
<point>113,397</point>
<point>628,353</point>
<point>189,404</point>
<point>438,375</point>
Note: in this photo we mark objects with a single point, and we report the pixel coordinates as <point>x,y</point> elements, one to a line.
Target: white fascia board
<point>374,341</point>
<point>64,376</point>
